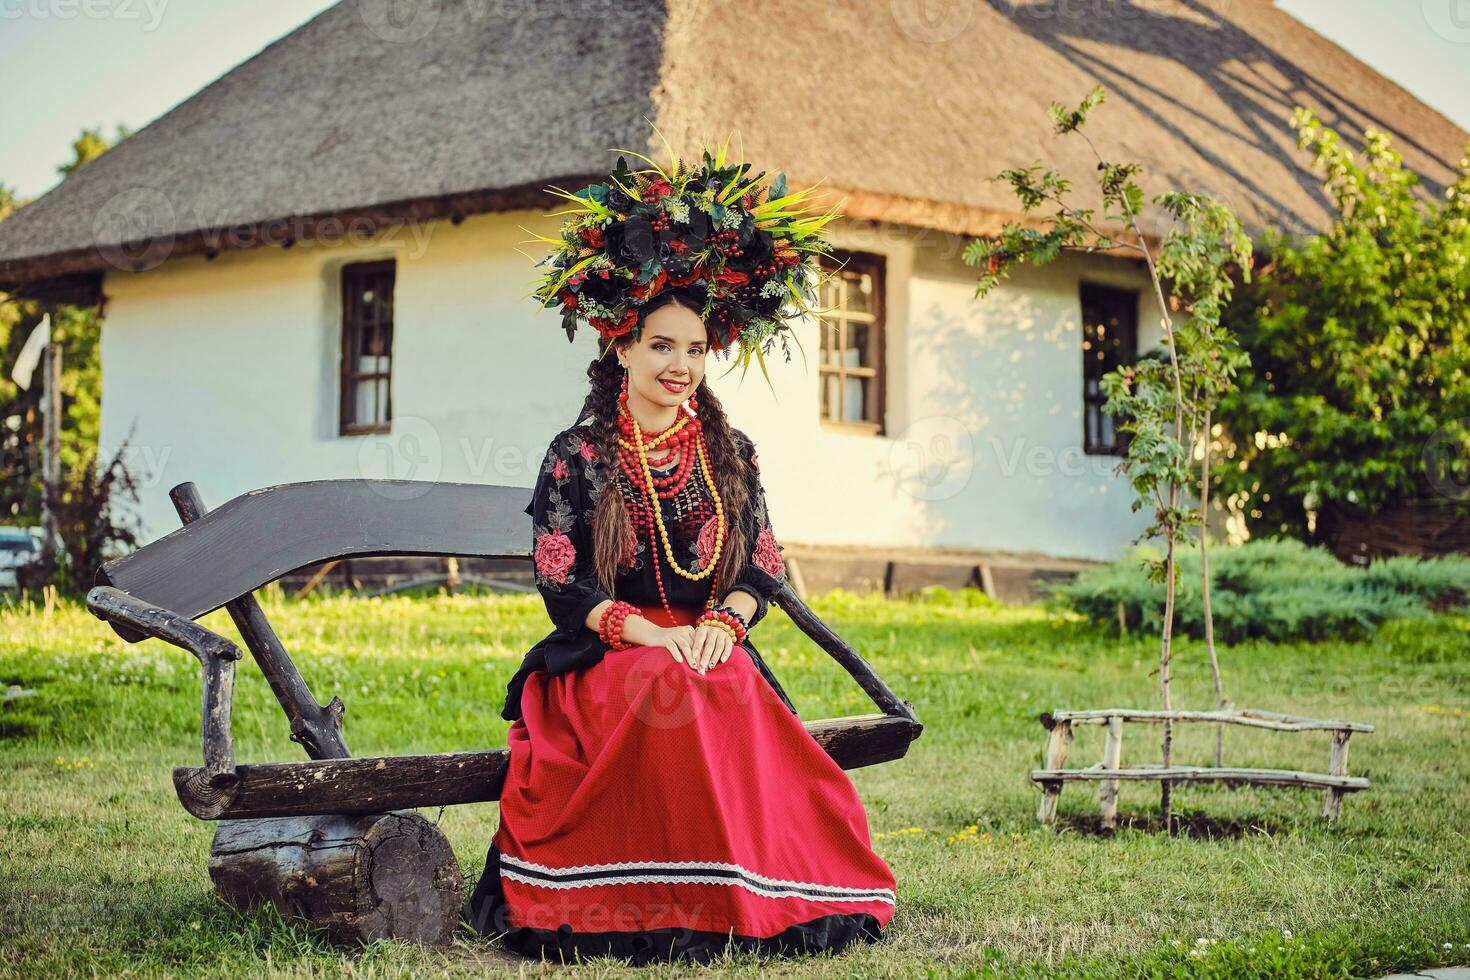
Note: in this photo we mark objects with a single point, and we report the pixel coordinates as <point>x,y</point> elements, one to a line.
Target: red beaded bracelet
<point>610,624</point>
<point>721,616</point>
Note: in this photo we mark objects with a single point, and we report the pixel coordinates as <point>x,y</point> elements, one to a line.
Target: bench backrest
<point>262,535</point>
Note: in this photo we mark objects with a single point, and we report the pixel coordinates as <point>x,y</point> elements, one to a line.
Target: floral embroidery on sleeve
<point>556,556</point>
<point>554,552</point>
<point>586,458</point>
<point>561,527</point>
<point>768,554</point>
<point>704,544</point>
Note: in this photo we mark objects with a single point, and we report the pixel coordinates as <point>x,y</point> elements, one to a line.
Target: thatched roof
<point>476,105</point>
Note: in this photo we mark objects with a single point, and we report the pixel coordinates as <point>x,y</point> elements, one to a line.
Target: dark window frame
<point>1119,306</point>
<point>876,265</point>
<point>354,277</point>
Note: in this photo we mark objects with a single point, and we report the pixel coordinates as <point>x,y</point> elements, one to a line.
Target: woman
<point>663,800</point>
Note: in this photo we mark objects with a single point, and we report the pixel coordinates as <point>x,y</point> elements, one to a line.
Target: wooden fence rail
<point>1109,772</point>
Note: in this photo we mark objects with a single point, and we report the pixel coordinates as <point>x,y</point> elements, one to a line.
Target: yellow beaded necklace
<point>641,449</point>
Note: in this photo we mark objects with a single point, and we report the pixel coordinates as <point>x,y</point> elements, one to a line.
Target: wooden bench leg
<point>1332,804</point>
<point>1056,757</point>
<point>1107,790</point>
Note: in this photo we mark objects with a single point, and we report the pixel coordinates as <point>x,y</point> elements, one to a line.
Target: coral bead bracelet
<point>610,624</point>
<point>723,617</point>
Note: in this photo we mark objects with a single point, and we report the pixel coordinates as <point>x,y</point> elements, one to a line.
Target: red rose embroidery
<point>555,556</point>
<point>767,555</point>
<point>559,469</point>
<point>588,451</point>
<point>705,546</point>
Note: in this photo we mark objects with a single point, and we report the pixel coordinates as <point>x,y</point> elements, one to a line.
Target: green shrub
<point>1278,589</point>
<point>1358,391</point>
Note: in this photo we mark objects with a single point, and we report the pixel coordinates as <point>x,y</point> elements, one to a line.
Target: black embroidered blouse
<point>567,488</point>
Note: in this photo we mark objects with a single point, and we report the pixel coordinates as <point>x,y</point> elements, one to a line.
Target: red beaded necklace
<point>680,441</point>
<point>686,436</point>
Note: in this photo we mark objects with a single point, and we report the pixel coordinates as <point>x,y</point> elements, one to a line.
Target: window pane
<point>854,301</point>
<point>367,341</point>
<point>856,354</point>
<point>831,332</point>
<point>1109,340</point>
<point>379,339</point>
<point>372,400</point>
<point>854,400</point>
<point>860,292</point>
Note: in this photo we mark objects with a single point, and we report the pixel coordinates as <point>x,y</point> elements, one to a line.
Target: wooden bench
<point>1109,772</point>
<point>333,839</point>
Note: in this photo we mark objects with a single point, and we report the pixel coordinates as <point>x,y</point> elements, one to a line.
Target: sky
<point>67,65</point>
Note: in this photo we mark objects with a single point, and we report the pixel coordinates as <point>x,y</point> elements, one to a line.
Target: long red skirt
<point>652,814</point>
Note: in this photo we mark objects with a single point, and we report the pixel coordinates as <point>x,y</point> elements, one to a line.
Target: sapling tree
<point>1162,401</point>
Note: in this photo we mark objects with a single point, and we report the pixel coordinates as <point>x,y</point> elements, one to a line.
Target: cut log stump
<point>362,878</point>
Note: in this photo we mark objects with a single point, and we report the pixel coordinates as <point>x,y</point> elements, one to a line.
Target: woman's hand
<point>712,646</point>
<point>700,647</point>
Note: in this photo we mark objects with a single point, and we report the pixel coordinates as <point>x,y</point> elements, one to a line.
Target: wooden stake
<point>1107,791</point>
<point>316,578</point>
<point>51,440</point>
<point>1056,757</point>
<point>1332,803</point>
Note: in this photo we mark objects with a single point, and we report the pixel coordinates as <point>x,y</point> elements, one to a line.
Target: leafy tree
<point>1164,400</point>
<point>89,146</point>
<point>83,506</point>
<point>1360,347</point>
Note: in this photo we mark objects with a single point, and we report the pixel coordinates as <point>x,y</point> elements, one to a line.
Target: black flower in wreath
<point>618,200</point>
<point>603,285</point>
<point>695,231</point>
<point>630,243</point>
<point>756,248</point>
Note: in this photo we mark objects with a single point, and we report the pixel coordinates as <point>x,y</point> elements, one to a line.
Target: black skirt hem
<point>485,913</point>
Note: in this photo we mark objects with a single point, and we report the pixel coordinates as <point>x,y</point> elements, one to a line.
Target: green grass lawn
<point>103,873</point>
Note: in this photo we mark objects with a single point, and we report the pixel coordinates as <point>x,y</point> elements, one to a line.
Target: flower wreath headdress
<point>755,249</point>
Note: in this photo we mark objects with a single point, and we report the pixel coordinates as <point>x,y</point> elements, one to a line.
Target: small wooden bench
<point>1108,773</point>
<point>333,839</point>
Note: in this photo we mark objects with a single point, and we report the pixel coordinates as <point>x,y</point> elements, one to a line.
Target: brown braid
<point>612,530</point>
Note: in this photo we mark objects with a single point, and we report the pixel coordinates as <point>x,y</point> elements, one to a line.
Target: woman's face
<point>666,364</point>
